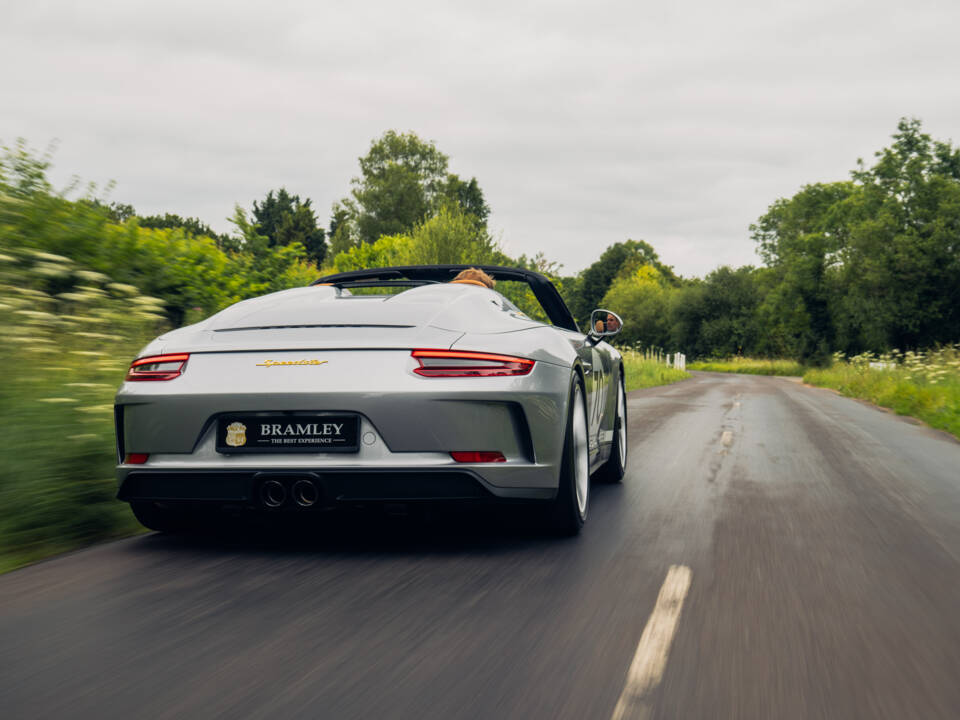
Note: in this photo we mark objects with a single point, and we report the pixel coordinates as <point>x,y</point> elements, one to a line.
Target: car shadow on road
<point>416,529</point>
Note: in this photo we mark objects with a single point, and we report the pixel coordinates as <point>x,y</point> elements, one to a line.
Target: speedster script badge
<point>276,432</point>
<point>281,363</point>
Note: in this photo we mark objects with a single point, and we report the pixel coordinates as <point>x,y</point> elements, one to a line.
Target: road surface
<point>776,551</point>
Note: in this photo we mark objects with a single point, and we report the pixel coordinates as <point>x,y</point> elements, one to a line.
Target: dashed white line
<point>727,437</point>
<point>646,670</point>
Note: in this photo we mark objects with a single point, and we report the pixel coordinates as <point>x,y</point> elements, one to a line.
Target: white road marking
<point>727,437</point>
<point>646,670</point>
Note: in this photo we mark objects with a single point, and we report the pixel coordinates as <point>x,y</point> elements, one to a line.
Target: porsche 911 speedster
<point>390,385</point>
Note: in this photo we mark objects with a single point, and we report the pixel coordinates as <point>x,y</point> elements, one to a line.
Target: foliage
<point>585,293</point>
<point>285,219</point>
<point>69,333</point>
<point>869,264</point>
<point>901,271</point>
<point>639,297</point>
<point>861,265</point>
<point>122,212</point>
<point>189,273</point>
<point>750,366</point>
<point>716,315</point>
<point>403,181</point>
<point>800,238</point>
<point>468,196</point>
<point>645,370</point>
<point>925,385</point>
<point>452,237</point>
<point>190,225</point>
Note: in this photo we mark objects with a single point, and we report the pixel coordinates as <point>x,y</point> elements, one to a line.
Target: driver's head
<point>475,276</point>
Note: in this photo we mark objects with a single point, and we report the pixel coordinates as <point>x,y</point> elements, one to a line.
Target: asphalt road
<point>815,546</point>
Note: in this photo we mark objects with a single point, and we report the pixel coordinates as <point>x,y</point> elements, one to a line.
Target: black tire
<point>161,519</point>
<point>565,517</point>
<point>613,470</point>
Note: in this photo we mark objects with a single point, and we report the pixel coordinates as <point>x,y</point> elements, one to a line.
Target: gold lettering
<point>276,363</point>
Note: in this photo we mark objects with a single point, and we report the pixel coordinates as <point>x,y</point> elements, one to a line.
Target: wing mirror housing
<point>604,324</point>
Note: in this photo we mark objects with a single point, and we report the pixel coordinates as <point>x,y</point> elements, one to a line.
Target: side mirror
<point>604,324</point>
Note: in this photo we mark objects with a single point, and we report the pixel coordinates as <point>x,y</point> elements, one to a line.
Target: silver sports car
<point>391,385</point>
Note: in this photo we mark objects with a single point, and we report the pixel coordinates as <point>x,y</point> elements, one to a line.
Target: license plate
<point>288,433</point>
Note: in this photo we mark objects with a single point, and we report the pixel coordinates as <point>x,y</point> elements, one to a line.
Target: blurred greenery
<point>190,273</point>
<point>750,366</point>
<point>80,294</point>
<point>646,369</point>
<point>69,334</point>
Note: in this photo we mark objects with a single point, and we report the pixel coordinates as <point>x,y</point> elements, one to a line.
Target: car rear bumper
<point>335,486</point>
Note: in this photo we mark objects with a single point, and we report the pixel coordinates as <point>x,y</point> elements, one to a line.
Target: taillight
<point>158,367</point>
<point>478,456</point>
<point>136,458</point>
<point>463,363</point>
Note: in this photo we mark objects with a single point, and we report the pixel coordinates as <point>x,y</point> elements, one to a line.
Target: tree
<point>191,225</point>
<point>716,316</point>
<point>901,272</point>
<point>284,219</point>
<point>249,239</point>
<point>449,237</point>
<point>640,297</point>
<point>121,212</point>
<point>403,181</point>
<point>871,264</point>
<point>342,232</point>
<point>802,238</point>
<point>596,280</point>
<point>468,196</point>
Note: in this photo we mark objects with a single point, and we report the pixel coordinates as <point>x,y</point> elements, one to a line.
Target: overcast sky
<point>585,123</point>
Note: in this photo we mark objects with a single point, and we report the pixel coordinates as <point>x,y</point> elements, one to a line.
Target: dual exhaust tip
<point>304,493</point>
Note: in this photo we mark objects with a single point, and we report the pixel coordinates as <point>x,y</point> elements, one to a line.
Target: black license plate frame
<point>288,433</point>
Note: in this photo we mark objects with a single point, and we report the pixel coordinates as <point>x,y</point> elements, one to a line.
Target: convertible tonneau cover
<point>542,288</point>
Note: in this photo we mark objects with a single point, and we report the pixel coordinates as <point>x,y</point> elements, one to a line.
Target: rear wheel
<point>569,509</point>
<point>162,519</point>
<point>615,467</point>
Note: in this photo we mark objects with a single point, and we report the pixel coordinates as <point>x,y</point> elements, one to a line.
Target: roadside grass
<point>68,335</point>
<point>643,371</point>
<point>921,385</point>
<point>750,366</point>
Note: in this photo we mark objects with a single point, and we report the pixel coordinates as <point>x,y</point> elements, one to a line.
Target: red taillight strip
<point>487,364</point>
<point>478,456</point>
<point>135,373</point>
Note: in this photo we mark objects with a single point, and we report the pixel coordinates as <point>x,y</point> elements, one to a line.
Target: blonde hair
<point>475,276</point>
